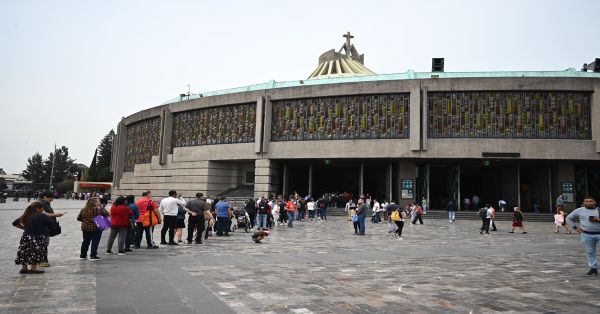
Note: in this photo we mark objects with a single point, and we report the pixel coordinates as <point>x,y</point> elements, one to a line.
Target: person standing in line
<point>169,208</point>
<point>130,238</point>
<point>196,221</point>
<point>451,208</point>
<point>223,210</point>
<point>559,220</point>
<point>589,229</point>
<point>361,213</point>
<point>145,204</point>
<point>119,220</point>
<point>517,221</point>
<point>181,210</point>
<point>33,247</point>
<point>91,233</point>
<point>250,208</point>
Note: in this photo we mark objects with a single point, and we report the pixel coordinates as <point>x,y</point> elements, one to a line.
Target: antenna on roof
<point>181,96</point>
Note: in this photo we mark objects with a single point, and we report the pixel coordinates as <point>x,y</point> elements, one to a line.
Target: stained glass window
<point>509,114</point>
<point>142,142</point>
<point>339,118</point>
<point>216,125</point>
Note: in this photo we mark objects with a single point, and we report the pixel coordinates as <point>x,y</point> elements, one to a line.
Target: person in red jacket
<point>119,220</point>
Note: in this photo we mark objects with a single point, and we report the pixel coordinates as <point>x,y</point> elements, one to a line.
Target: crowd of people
<point>128,221</point>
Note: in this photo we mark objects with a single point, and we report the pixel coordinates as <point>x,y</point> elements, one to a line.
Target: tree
<point>64,166</point>
<point>104,152</point>
<point>92,174</point>
<point>35,170</point>
<point>65,186</point>
<point>2,172</point>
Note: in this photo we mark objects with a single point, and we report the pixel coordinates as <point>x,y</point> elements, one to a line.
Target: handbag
<point>149,219</point>
<point>101,222</point>
<point>354,218</point>
<point>54,230</point>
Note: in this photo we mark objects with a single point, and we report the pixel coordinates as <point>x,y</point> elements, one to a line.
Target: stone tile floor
<point>316,267</point>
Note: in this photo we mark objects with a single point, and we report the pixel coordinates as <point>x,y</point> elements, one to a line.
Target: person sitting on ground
<point>259,235</point>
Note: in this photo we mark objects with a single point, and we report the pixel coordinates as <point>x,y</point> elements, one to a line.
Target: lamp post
<point>52,170</point>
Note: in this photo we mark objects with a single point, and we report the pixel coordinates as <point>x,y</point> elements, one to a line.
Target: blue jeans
<point>361,223</point>
<point>589,242</point>
<point>262,221</point>
<point>290,219</point>
<point>223,225</point>
<point>452,216</point>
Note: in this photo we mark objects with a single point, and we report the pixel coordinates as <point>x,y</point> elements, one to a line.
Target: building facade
<point>524,137</point>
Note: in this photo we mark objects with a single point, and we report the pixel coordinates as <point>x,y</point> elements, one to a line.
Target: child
<point>559,220</point>
<point>259,235</point>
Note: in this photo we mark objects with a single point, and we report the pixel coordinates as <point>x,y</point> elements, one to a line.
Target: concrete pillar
<point>119,149</point>
<point>310,178</point>
<point>566,173</point>
<point>268,113</point>
<point>406,171</point>
<point>388,183</point>
<point>519,186</point>
<point>595,117</point>
<point>458,194</point>
<point>166,135</point>
<point>258,132</point>
<point>424,120</point>
<point>415,118</point>
<point>361,174</point>
<point>284,189</point>
<point>266,177</point>
<point>551,198</point>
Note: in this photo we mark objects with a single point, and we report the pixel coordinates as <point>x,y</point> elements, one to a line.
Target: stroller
<point>241,219</point>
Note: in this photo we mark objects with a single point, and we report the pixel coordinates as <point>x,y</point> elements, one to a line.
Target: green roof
<point>409,75</point>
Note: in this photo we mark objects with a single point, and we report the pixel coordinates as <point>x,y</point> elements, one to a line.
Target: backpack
<point>395,216</point>
<point>419,210</point>
<point>482,212</point>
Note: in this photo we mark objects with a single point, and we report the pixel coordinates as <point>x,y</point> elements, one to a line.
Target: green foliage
<point>100,167</point>
<point>35,170</point>
<point>64,166</point>
<point>64,186</point>
<point>92,173</point>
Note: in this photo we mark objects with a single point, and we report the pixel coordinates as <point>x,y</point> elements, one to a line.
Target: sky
<point>70,70</point>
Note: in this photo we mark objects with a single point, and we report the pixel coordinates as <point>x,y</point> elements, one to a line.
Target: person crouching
<point>260,235</point>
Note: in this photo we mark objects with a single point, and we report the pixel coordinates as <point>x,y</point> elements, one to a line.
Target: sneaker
<point>23,271</point>
<point>592,272</point>
<point>189,242</point>
<point>511,232</point>
<point>400,238</point>
<point>94,258</point>
<point>109,253</point>
<point>163,242</point>
<point>198,242</point>
<point>152,247</point>
<point>172,243</point>
<point>121,253</point>
<point>83,258</point>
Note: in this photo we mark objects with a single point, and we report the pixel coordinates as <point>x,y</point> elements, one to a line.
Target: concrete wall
<point>190,167</point>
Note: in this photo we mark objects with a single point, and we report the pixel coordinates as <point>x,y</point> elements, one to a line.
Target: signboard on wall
<point>407,189</point>
<point>568,189</point>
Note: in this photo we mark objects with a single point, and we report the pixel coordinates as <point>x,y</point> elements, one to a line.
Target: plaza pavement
<point>316,267</point>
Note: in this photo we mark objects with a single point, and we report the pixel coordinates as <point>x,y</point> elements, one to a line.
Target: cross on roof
<point>348,46</point>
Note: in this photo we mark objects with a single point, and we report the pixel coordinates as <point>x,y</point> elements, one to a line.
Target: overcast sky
<point>69,70</point>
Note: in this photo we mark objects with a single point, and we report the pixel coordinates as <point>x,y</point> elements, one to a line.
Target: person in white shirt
<point>168,207</point>
<point>311,206</point>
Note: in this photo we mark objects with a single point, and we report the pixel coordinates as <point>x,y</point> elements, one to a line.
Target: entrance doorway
<point>335,176</point>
